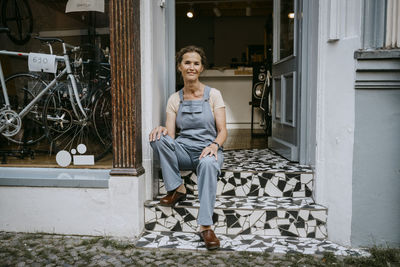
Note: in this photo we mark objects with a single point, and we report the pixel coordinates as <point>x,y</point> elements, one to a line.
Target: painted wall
<point>154,81</point>
<point>115,211</point>
<point>376,165</point>
<point>335,114</point>
<point>236,92</point>
<point>376,181</point>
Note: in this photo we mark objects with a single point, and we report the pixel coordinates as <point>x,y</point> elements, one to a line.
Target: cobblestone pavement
<point>19,249</point>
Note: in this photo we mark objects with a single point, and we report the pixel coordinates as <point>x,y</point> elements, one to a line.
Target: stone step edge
<point>149,204</point>
<point>256,171</point>
<point>231,235</point>
<point>303,245</point>
<point>195,197</point>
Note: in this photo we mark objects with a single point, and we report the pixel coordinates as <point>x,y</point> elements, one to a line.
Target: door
<point>285,80</point>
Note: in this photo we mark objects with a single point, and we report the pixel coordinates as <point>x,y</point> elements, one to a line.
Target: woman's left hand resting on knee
<point>210,150</point>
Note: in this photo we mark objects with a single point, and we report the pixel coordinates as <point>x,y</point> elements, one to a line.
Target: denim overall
<point>197,130</point>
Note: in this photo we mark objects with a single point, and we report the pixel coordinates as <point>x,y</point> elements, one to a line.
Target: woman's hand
<point>156,133</point>
<point>210,150</point>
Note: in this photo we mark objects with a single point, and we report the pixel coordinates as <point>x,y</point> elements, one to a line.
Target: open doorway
<point>237,37</point>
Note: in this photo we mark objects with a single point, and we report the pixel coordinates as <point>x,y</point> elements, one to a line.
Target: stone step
<point>286,216</point>
<point>256,172</point>
<point>244,183</point>
<point>249,243</point>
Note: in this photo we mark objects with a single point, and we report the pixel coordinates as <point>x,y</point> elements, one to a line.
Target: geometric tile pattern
<point>250,243</point>
<point>264,203</point>
<point>286,216</point>
<point>260,160</point>
<point>245,183</point>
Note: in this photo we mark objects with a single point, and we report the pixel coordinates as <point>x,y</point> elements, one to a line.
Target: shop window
<point>69,123</point>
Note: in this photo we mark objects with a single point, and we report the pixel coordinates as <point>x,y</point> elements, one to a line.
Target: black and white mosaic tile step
<point>260,160</point>
<point>250,243</point>
<point>299,217</point>
<point>244,183</point>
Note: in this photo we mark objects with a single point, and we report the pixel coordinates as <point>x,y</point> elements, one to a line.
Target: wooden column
<point>125,89</point>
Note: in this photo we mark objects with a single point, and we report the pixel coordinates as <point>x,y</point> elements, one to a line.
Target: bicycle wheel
<point>22,88</point>
<point>102,119</point>
<point>66,131</point>
<point>17,16</point>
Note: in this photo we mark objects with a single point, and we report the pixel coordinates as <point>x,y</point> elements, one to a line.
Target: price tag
<point>84,5</point>
<point>42,62</point>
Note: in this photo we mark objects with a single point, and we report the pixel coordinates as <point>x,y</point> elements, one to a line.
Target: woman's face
<point>190,66</point>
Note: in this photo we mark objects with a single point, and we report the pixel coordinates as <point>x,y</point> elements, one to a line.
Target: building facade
<point>348,113</point>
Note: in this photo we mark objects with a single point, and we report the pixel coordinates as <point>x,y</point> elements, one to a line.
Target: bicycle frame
<point>67,70</point>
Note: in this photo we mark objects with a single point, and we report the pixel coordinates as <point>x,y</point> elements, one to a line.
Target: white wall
<point>114,211</point>
<point>236,91</point>
<point>154,80</point>
<point>335,114</point>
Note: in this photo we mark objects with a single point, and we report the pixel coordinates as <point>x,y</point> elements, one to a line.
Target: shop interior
<point>236,37</point>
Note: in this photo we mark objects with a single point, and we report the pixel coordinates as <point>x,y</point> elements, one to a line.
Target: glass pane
<point>289,99</point>
<point>286,29</point>
<point>278,99</point>
<point>55,130</point>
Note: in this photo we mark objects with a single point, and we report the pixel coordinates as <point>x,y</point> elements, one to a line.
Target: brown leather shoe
<point>210,239</point>
<point>172,198</point>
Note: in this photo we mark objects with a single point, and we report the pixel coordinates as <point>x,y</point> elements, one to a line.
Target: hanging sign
<point>42,62</point>
<point>84,5</point>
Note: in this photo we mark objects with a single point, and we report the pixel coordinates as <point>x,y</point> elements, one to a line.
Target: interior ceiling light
<point>190,12</point>
<point>248,11</point>
<point>291,15</point>
<point>217,12</point>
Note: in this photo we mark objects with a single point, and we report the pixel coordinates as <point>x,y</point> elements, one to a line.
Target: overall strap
<point>181,95</point>
<point>206,95</point>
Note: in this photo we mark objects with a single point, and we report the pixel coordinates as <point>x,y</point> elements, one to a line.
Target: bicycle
<point>61,111</point>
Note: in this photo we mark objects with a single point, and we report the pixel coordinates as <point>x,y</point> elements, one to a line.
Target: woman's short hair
<point>188,49</point>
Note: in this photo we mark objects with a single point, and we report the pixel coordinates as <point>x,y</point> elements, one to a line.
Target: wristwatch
<point>213,142</point>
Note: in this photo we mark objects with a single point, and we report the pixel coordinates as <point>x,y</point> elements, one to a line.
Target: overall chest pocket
<point>192,108</point>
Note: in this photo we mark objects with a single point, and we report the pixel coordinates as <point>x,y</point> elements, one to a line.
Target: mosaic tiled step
<point>250,243</point>
<point>299,217</point>
<point>244,183</point>
<point>256,172</point>
<point>260,160</point>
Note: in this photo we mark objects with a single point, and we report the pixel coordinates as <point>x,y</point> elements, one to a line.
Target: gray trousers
<point>175,157</point>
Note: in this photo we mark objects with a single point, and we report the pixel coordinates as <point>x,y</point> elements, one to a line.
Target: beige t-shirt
<point>216,101</point>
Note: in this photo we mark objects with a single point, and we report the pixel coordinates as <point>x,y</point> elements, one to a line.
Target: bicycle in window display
<point>64,112</point>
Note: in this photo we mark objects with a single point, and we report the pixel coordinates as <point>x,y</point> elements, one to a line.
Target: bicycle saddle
<point>49,39</point>
<point>2,29</point>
